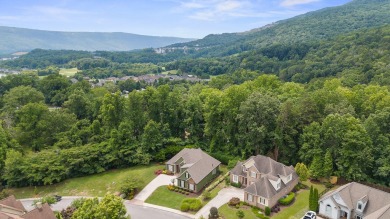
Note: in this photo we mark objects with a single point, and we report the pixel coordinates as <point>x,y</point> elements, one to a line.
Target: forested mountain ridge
<point>313,26</point>
<point>21,39</point>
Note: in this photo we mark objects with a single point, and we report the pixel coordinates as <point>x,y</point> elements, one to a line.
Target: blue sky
<point>183,18</point>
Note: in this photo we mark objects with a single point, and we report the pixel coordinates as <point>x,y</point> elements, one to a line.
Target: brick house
<point>265,181</point>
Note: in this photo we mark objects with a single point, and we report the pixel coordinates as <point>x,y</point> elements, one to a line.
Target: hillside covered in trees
<point>294,99</point>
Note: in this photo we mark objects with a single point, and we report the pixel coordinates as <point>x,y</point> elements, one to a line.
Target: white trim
<point>235,178</point>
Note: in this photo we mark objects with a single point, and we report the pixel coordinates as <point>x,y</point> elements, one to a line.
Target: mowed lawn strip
<point>231,213</point>
<point>164,197</point>
<point>300,205</point>
<point>93,185</point>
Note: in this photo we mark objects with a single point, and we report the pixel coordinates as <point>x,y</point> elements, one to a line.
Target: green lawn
<point>164,197</point>
<point>230,213</point>
<point>301,204</point>
<point>68,71</point>
<point>93,185</point>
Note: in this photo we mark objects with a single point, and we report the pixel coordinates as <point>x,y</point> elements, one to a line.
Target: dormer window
<point>187,175</point>
<point>278,186</point>
<point>243,169</point>
<point>289,178</point>
<point>359,206</point>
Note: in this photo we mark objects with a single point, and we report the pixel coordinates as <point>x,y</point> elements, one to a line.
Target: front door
<point>182,184</point>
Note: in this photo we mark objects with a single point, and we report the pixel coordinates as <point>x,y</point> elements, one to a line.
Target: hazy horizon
<point>178,18</point>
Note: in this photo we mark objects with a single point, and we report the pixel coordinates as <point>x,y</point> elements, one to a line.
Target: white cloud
<point>288,3</point>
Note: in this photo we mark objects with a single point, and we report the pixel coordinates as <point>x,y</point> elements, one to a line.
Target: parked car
<point>310,215</point>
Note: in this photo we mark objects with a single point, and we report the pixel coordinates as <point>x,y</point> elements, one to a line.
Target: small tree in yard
<point>302,171</point>
<point>240,214</point>
<point>129,186</point>
<point>213,213</point>
<point>311,199</point>
<point>315,199</point>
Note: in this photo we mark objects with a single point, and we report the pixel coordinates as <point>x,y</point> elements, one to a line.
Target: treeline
<point>96,130</point>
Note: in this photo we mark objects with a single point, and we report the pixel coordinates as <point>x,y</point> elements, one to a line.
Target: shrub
<point>232,163</point>
<point>328,185</point>
<point>77,203</point>
<point>288,199</point>
<point>237,185</point>
<point>194,204</point>
<point>257,211</point>
<point>206,195</point>
<point>4,194</point>
<point>240,214</point>
<point>234,201</point>
<point>185,207</point>
<point>130,186</point>
<point>213,213</point>
<point>267,211</point>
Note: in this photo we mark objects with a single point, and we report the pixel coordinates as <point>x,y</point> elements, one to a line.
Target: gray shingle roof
<point>269,166</point>
<point>237,170</point>
<point>202,163</point>
<point>264,188</point>
<point>351,193</point>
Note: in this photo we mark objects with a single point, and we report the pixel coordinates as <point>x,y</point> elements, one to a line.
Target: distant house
<point>265,180</point>
<point>10,208</point>
<point>355,201</point>
<point>194,169</point>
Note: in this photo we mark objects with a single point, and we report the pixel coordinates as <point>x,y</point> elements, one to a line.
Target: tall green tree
<point>328,164</point>
<point>152,137</point>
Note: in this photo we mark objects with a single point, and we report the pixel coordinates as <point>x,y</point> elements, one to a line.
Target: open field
<point>69,72</point>
<point>93,185</point>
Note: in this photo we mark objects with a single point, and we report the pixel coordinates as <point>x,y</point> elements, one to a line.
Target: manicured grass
<point>164,197</point>
<point>300,205</point>
<point>231,213</point>
<point>93,185</point>
<point>68,71</point>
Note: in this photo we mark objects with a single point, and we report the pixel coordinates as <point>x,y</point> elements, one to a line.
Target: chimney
<point>39,205</point>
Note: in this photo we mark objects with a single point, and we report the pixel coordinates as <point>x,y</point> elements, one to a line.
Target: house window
<point>235,178</point>
<point>359,217</point>
<point>170,167</point>
<point>359,206</point>
<point>289,178</point>
<point>262,200</point>
<point>182,184</point>
<point>214,171</point>
<point>250,197</point>
<point>253,174</point>
<point>244,169</point>
<point>328,210</point>
<point>278,186</point>
<point>192,187</point>
<point>186,175</point>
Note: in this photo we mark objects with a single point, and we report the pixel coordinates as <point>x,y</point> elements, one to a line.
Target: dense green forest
<point>293,99</point>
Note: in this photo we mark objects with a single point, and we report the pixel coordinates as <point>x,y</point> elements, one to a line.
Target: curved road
<point>135,211</point>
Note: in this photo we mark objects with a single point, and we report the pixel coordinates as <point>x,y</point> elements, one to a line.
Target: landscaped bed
<point>228,212</point>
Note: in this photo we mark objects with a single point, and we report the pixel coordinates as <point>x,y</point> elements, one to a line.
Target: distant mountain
<point>313,26</point>
<point>14,39</point>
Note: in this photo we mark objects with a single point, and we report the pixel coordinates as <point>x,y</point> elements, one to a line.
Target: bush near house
<point>194,204</point>
<point>257,211</point>
<point>288,199</point>
<point>234,201</point>
<point>237,185</point>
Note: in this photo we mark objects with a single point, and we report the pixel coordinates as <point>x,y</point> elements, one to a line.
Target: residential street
<point>135,211</point>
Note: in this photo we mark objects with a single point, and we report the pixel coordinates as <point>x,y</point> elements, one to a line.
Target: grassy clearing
<point>228,212</point>
<point>93,185</point>
<point>301,204</point>
<point>171,72</point>
<point>163,197</point>
<point>68,72</point>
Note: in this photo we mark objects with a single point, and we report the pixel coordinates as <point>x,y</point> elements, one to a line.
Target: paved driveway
<point>160,180</point>
<point>222,198</point>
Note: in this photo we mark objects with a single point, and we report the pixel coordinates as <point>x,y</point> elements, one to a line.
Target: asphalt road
<point>135,211</point>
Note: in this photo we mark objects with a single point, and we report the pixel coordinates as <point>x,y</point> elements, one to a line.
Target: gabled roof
<point>40,213</point>
<point>11,201</point>
<point>198,163</point>
<point>264,188</point>
<point>266,165</point>
<point>353,192</point>
<point>238,170</point>
<point>383,213</point>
